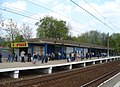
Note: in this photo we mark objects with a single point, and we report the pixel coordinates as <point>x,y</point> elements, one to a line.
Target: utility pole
<point>108,46</point>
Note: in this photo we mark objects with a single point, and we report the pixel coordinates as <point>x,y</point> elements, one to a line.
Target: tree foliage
<point>52,28</point>
<point>26,31</point>
<point>14,33</point>
<point>115,42</point>
<point>93,37</point>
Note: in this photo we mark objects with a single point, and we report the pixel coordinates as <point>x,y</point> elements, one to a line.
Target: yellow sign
<point>19,45</point>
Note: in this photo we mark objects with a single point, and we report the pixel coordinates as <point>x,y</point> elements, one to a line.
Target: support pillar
<point>106,60</point>
<point>62,51</point>
<point>93,62</point>
<point>84,64</point>
<point>32,49</point>
<point>70,66</point>
<point>101,61</point>
<point>45,52</point>
<point>50,70</point>
<point>15,74</point>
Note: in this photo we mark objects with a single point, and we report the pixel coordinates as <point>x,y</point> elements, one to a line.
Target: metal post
<point>45,49</point>
<point>62,52</point>
<point>108,46</point>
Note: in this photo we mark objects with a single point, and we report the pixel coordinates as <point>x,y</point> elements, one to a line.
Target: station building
<point>50,45</point>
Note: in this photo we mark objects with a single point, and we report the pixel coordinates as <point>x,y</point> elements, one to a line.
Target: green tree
<point>19,38</point>
<point>115,42</point>
<point>93,37</point>
<point>51,27</point>
<point>26,31</point>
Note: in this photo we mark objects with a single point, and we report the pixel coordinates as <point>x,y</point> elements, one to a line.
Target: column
<point>32,49</point>
<point>45,51</point>
<point>106,60</point>
<point>84,64</point>
<point>62,52</point>
<point>50,70</point>
<point>93,62</point>
<point>70,66</point>
<point>100,61</point>
<point>15,74</point>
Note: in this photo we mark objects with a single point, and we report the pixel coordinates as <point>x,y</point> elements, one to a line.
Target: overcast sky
<point>108,11</point>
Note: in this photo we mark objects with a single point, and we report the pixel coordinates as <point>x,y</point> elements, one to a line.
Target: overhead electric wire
<point>45,8</point>
<point>57,13</point>
<point>41,7</point>
<point>18,13</point>
<point>30,17</point>
<point>92,15</point>
<point>101,14</point>
<point>49,10</point>
<point>17,9</point>
<point>19,21</point>
<point>38,19</point>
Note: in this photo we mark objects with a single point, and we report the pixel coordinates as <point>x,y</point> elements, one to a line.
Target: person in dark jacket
<point>29,57</point>
<point>87,55</point>
<point>35,58</point>
<point>0,57</point>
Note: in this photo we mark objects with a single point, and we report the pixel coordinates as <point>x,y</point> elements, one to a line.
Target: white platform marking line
<point>108,80</point>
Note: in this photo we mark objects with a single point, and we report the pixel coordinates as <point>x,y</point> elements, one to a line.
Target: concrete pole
<point>108,46</point>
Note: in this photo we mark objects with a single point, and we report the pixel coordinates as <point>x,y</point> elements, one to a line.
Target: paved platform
<point>13,68</point>
<point>39,63</point>
<point>112,82</point>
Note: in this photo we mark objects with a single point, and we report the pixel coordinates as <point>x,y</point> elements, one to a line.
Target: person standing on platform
<point>35,58</point>
<point>52,56</point>
<point>98,55</point>
<point>43,57</point>
<point>68,57</point>
<point>16,57</point>
<point>90,55</point>
<point>9,57</point>
<point>46,58</point>
<point>59,55</point>
<point>0,57</point>
<point>87,55</point>
<point>29,57</point>
<point>22,56</point>
<point>13,56</point>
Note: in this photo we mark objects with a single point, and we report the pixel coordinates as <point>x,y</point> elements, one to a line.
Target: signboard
<point>19,45</point>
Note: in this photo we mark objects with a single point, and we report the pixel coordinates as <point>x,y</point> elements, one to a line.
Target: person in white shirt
<point>22,56</point>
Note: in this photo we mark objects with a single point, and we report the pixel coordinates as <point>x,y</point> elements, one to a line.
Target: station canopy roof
<point>65,42</point>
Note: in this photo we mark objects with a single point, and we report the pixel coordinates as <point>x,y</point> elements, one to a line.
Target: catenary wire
<point>34,18</point>
<point>30,17</point>
<point>92,15</point>
<point>51,11</point>
<point>101,15</point>
<point>57,13</point>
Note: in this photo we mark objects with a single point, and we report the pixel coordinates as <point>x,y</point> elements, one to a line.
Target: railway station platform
<point>13,68</point>
<point>112,82</point>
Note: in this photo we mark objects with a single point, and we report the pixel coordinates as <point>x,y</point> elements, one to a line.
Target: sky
<point>106,13</point>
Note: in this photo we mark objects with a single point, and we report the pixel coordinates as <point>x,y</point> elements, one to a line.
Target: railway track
<point>97,81</point>
<point>90,76</point>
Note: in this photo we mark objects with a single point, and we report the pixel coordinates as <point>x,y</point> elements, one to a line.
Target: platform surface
<point>39,63</point>
<point>112,82</point>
